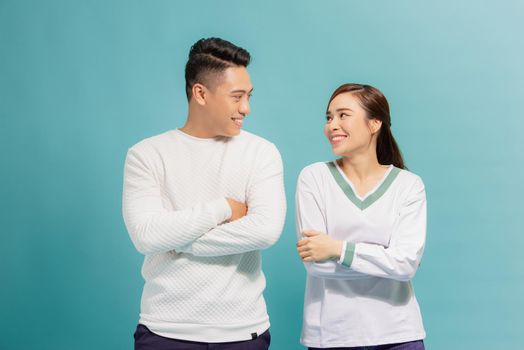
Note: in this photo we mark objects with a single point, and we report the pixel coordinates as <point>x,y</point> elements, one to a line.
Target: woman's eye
<point>328,118</point>
<point>343,115</point>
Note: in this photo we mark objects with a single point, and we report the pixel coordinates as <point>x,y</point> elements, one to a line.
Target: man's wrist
<point>227,210</point>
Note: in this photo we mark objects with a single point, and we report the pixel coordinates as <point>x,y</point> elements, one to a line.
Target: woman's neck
<point>361,168</point>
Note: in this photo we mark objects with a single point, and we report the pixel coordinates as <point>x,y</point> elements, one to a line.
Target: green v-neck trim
<point>372,198</point>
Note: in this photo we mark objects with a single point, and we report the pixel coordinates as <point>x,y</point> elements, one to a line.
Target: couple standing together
<point>201,201</point>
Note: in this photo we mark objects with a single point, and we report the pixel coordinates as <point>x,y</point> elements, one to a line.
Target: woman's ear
<point>375,125</point>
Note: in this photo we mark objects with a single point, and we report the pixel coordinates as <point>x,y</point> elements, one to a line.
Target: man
<point>200,202</point>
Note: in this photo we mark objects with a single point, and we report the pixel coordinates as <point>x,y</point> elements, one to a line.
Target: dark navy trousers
<point>147,340</point>
<point>410,345</point>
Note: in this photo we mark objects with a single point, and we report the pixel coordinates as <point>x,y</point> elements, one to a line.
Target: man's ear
<point>200,93</point>
<point>375,125</point>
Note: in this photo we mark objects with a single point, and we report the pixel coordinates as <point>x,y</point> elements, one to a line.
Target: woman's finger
<point>310,233</point>
<point>305,254</point>
<point>303,248</point>
<point>302,242</point>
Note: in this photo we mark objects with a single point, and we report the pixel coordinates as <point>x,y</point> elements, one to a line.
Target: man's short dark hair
<point>210,57</point>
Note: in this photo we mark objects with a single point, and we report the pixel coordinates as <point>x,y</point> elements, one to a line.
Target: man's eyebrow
<point>242,91</point>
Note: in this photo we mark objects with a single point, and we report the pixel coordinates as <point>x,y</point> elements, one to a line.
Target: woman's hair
<point>375,104</point>
<point>210,57</point>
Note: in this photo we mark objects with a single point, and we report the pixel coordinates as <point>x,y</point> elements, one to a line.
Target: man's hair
<point>208,58</point>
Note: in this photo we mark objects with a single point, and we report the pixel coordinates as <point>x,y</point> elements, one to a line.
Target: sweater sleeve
<point>154,229</point>
<point>310,215</point>
<point>262,225</point>
<point>401,258</point>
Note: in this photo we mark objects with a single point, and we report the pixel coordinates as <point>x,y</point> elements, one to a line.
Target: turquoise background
<point>80,82</point>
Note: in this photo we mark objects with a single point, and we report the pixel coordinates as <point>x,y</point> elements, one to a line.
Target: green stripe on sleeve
<point>348,256</point>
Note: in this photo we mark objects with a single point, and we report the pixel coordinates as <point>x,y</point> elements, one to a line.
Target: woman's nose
<point>333,125</point>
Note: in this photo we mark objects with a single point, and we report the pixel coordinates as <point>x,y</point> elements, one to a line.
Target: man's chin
<point>232,133</point>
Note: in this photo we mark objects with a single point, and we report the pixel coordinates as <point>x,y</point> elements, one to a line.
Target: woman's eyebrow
<point>344,109</point>
<point>339,110</point>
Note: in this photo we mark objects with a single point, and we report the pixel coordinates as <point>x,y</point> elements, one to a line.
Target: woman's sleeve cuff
<point>342,253</point>
<point>349,251</point>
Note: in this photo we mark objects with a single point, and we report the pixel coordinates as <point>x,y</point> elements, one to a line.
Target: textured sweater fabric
<point>203,278</point>
<point>372,301</point>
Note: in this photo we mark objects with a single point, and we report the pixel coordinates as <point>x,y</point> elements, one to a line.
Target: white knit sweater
<point>203,278</point>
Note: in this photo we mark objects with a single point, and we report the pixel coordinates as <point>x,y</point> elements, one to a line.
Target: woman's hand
<point>317,247</point>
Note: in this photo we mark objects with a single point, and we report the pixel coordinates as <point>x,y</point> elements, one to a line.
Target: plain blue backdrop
<point>81,81</point>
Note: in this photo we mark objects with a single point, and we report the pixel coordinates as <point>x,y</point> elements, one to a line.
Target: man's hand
<point>238,209</point>
<point>317,247</point>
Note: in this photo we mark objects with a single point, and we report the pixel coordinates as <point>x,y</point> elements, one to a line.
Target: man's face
<point>228,103</point>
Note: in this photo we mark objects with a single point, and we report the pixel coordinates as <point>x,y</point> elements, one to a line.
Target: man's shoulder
<point>153,142</point>
<point>248,137</point>
<point>253,144</point>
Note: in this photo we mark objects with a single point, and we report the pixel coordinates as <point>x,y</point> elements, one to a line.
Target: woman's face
<point>348,128</point>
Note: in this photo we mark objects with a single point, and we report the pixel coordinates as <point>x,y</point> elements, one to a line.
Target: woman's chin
<point>337,151</point>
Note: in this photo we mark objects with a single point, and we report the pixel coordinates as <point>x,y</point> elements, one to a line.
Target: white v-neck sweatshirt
<point>369,299</point>
<point>203,278</point>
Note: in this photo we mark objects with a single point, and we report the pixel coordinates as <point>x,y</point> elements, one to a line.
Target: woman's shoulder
<point>408,175</point>
<point>314,169</point>
<point>409,181</point>
<point>312,174</point>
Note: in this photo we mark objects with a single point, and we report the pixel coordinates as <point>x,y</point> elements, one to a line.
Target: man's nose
<point>244,107</point>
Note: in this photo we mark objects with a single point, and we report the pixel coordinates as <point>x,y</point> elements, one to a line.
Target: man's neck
<point>195,126</point>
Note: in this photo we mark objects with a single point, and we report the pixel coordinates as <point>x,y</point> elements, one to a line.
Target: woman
<point>361,222</point>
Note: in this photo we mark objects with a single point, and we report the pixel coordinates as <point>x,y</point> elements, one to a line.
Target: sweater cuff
<point>342,253</point>
<point>348,254</point>
<point>221,210</point>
